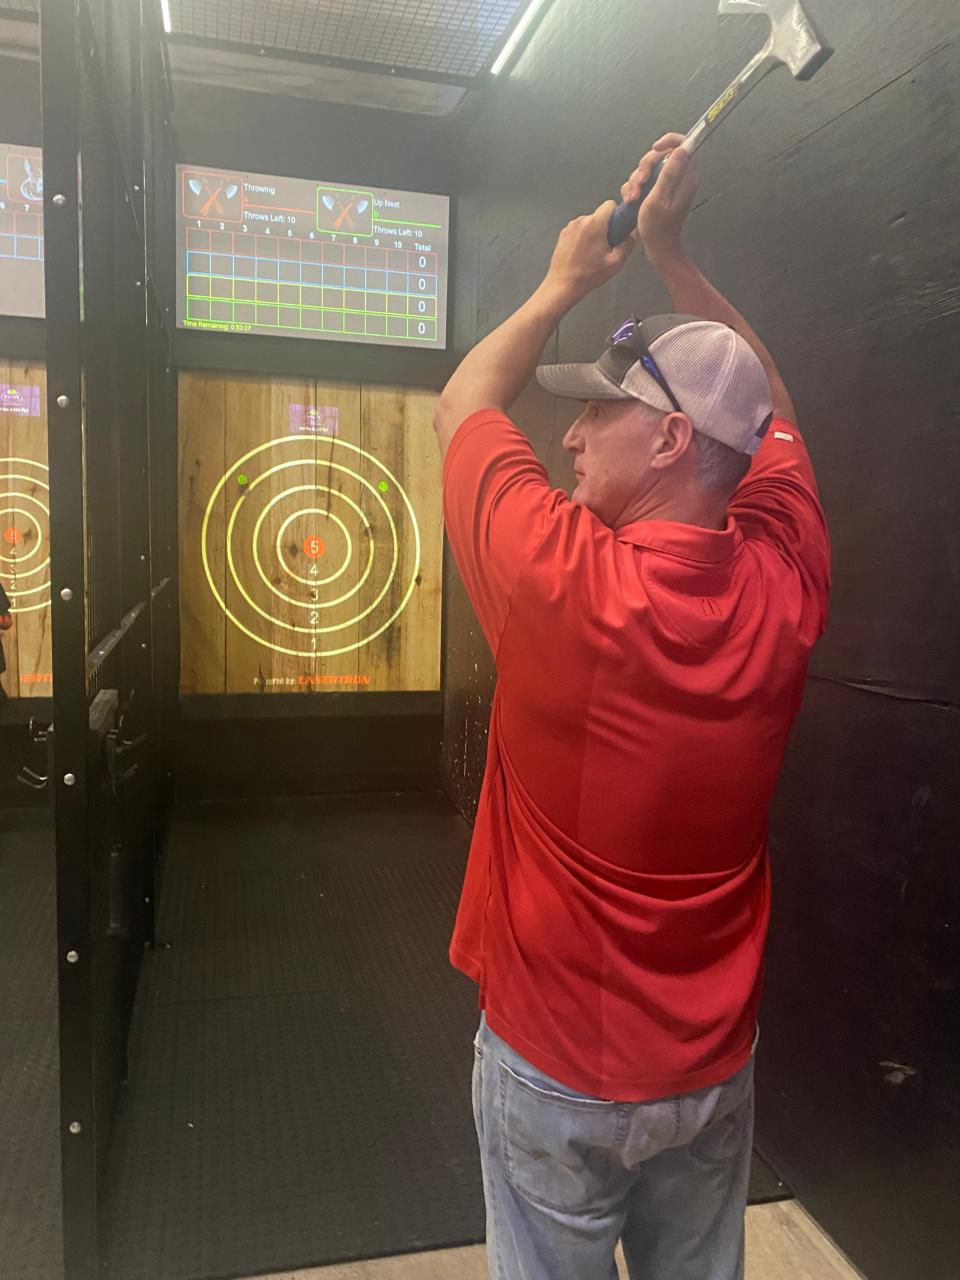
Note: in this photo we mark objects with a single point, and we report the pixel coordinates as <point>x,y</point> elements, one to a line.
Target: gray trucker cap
<point>715,376</point>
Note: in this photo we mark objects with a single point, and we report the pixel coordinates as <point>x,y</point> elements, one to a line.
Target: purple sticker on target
<point>23,401</point>
<point>314,420</point>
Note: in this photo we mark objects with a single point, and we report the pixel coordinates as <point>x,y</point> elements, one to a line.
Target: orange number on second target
<point>313,547</point>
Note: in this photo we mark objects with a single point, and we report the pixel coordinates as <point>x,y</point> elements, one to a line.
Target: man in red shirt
<point>651,635</point>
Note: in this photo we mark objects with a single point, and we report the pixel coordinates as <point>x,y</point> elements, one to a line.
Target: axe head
<point>794,39</point>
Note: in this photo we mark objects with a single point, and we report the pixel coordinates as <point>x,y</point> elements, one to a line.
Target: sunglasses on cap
<point>624,346</point>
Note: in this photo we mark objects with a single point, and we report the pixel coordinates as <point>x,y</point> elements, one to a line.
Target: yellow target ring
<point>312,583</point>
<point>22,511</point>
<point>312,604</point>
<point>292,626</point>
<point>8,495</point>
<point>389,477</point>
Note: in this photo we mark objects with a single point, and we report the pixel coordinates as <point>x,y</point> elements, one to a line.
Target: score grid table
<point>21,231</point>
<point>313,285</point>
<point>299,258</point>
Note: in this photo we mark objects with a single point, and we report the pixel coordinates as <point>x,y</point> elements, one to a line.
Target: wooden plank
<point>783,1243</point>
<point>25,537</point>
<point>400,450</point>
<point>272,477</point>
<point>345,558</point>
<point>33,639</point>
<point>10,679</point>
<point>202,620</point>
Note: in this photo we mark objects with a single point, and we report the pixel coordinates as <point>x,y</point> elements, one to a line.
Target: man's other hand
<point>583,259</point>
<point>664,212</point>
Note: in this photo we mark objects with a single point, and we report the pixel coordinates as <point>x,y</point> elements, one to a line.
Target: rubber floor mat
<point>302,1048</point>
<point>300,1083</point>
<point>30,1200</point>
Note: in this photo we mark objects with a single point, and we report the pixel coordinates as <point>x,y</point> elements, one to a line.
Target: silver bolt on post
<point>59,200</point>
<point>63,402</point>
<point>66,594</point>
<point>76,1127</point>
<point>73,957</point>
<point>70,779</point>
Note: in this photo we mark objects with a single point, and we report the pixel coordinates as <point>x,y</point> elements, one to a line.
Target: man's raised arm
<point>661,220</point>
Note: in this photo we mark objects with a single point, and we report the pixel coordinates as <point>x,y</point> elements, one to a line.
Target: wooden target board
<point>311,536</point>
<point>25,528</point>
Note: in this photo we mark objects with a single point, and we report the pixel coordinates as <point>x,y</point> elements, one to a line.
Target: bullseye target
<point>313,547</point>
<point>25,533</point>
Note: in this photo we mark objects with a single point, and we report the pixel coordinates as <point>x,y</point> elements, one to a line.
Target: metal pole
<point>61,96</point>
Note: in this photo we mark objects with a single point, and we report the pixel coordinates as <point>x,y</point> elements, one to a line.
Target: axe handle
<point>623,220</point>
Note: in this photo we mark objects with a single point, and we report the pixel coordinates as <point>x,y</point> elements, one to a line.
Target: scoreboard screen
<point>294,258</point>
<point>21,231</point>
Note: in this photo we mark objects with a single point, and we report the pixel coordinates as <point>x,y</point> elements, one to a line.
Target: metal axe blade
<point>794,39</point>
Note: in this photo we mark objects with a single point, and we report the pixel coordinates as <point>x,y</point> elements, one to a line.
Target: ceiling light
<point>515,37</point>
<point>165,10</point>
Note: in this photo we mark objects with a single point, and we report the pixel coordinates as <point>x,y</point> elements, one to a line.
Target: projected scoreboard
<point>296,258</point>
<point>21,231</point>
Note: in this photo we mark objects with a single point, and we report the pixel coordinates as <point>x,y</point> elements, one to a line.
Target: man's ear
<point>672,439</point>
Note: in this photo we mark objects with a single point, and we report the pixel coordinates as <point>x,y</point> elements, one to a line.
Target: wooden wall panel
<point>25,535</point>
<point>398,435</point>
<point>203,666</point>
<point>256,593</point>
<point>346,557</point>
<point>330,605</point>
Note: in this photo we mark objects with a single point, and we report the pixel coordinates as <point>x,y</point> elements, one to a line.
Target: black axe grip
<point>623,220</point>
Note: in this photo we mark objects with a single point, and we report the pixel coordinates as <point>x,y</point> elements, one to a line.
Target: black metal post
<point>60,79</point>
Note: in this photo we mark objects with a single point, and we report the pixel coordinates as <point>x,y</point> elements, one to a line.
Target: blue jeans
<point>566,1175</point>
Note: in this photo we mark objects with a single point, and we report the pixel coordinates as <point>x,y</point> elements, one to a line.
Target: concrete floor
<point>783,1243</point>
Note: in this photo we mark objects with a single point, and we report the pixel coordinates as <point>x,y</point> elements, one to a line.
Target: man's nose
<point>572,439</point>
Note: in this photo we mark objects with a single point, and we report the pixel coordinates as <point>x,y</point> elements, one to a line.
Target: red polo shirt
<point>615,905</point>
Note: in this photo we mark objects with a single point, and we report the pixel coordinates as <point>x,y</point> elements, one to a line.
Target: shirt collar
<point>688,541</point>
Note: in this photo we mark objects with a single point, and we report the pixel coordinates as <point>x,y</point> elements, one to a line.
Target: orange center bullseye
<point>313,547</point>
<point>12,536</point>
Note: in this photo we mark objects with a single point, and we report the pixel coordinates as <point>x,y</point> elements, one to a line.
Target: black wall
<point>828,212</point>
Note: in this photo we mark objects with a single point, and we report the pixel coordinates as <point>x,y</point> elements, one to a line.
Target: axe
<point>793,42</point>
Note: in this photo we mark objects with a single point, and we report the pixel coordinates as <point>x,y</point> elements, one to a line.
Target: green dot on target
<point>243,479</point>
<point>384,486</point>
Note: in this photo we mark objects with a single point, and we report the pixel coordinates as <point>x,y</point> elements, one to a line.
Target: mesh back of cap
<point>716,377</point>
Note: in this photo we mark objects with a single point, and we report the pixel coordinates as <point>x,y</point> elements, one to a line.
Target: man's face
<point>611,447</point>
